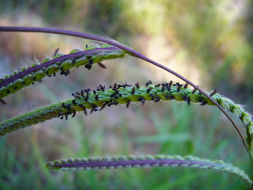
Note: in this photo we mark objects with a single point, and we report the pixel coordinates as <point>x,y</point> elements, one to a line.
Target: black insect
<point>65,73</point>
<point>86,97</point>
<point>170,83</point>
<point>102,87</point>
<point>74,113</point>
<point>88,66</point>
<point>133,90</point>
<point>194,90</point>
<point>148,90</point>
<point>137,85</point>
<point>115,86</point>
<point>102,65</point>
<point>56,51</point>
<point>74,102</point>
<point>163,86</point>
<point>142,100</point>
<point>156,98</point>
<point>128,103</point>
<point>187,99</point>
<point>94,108</point>
<point>214,91</point>
<point>60,116</point>
<point>2,101</point>
<point>203,102</point>
<point>148,83</point>
<point>157,85</point>
<point>103,106</point>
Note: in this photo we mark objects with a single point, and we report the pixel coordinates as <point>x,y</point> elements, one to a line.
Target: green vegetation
<point>202,35</point>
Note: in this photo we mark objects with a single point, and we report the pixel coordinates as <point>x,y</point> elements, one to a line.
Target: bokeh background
<point>209,42</point>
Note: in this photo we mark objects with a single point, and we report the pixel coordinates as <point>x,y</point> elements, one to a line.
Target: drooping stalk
<point>62,63</point>
<point>113,162</point>
<point>120,94</point>
<point>132,52</point>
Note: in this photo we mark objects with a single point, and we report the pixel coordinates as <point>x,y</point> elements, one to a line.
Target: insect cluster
<point>60,63</point>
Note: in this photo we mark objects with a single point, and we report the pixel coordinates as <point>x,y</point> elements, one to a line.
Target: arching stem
<point>129,51</point>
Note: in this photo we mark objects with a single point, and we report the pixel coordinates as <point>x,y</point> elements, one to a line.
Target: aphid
<point>60,116</point>
<point>214,91</point>
<point>87,97</point>
<point>84,109</point>
<point>115,86</point>
<point>74,113</point>
<point>102,65</point>
<point>127,85</point>
<point>167,96</point>
<point>128,103</point>
<point>170,83</point>
<point>148,90</point>
<point>94,108</point>
<point>163,87</point>
<point>103,106</point>
<point>89,65</point>
<point>64,106</point>
<point>178,86</point>
<point>133,90</point>
<point>137,85</point>
<point>73,61</point>
<point>203,103</point>
<point>157,85</point>
<point>74,102</point>
<point>94,92</point>
<point>2,101</point>
<point>56,51</point>
<point>148,83</point>
<point>157,98</point>
<point>142,100</point>
<point>102,87</point>
<point>96,97</point>
<point>186,98</point>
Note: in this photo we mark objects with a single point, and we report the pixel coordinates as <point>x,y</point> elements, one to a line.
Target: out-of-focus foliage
<point>208,41</point>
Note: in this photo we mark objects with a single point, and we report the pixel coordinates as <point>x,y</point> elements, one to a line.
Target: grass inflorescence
<point>89,101</point>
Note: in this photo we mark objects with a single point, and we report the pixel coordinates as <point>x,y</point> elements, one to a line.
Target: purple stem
<point>7,81</point>
<point>129,50</point>
<point>133,163</point>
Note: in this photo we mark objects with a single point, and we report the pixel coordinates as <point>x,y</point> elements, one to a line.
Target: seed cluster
<point>61,63</point>
<point>154,93</point>
<point>102,97</point>
<point>96,163</point>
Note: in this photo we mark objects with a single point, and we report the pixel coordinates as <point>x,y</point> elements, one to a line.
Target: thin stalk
<point>129,51</point>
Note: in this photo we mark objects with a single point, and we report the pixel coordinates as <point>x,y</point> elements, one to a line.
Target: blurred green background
<point>209,42</point>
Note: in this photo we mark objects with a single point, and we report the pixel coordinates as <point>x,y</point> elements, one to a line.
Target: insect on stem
<point>129,51</point>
